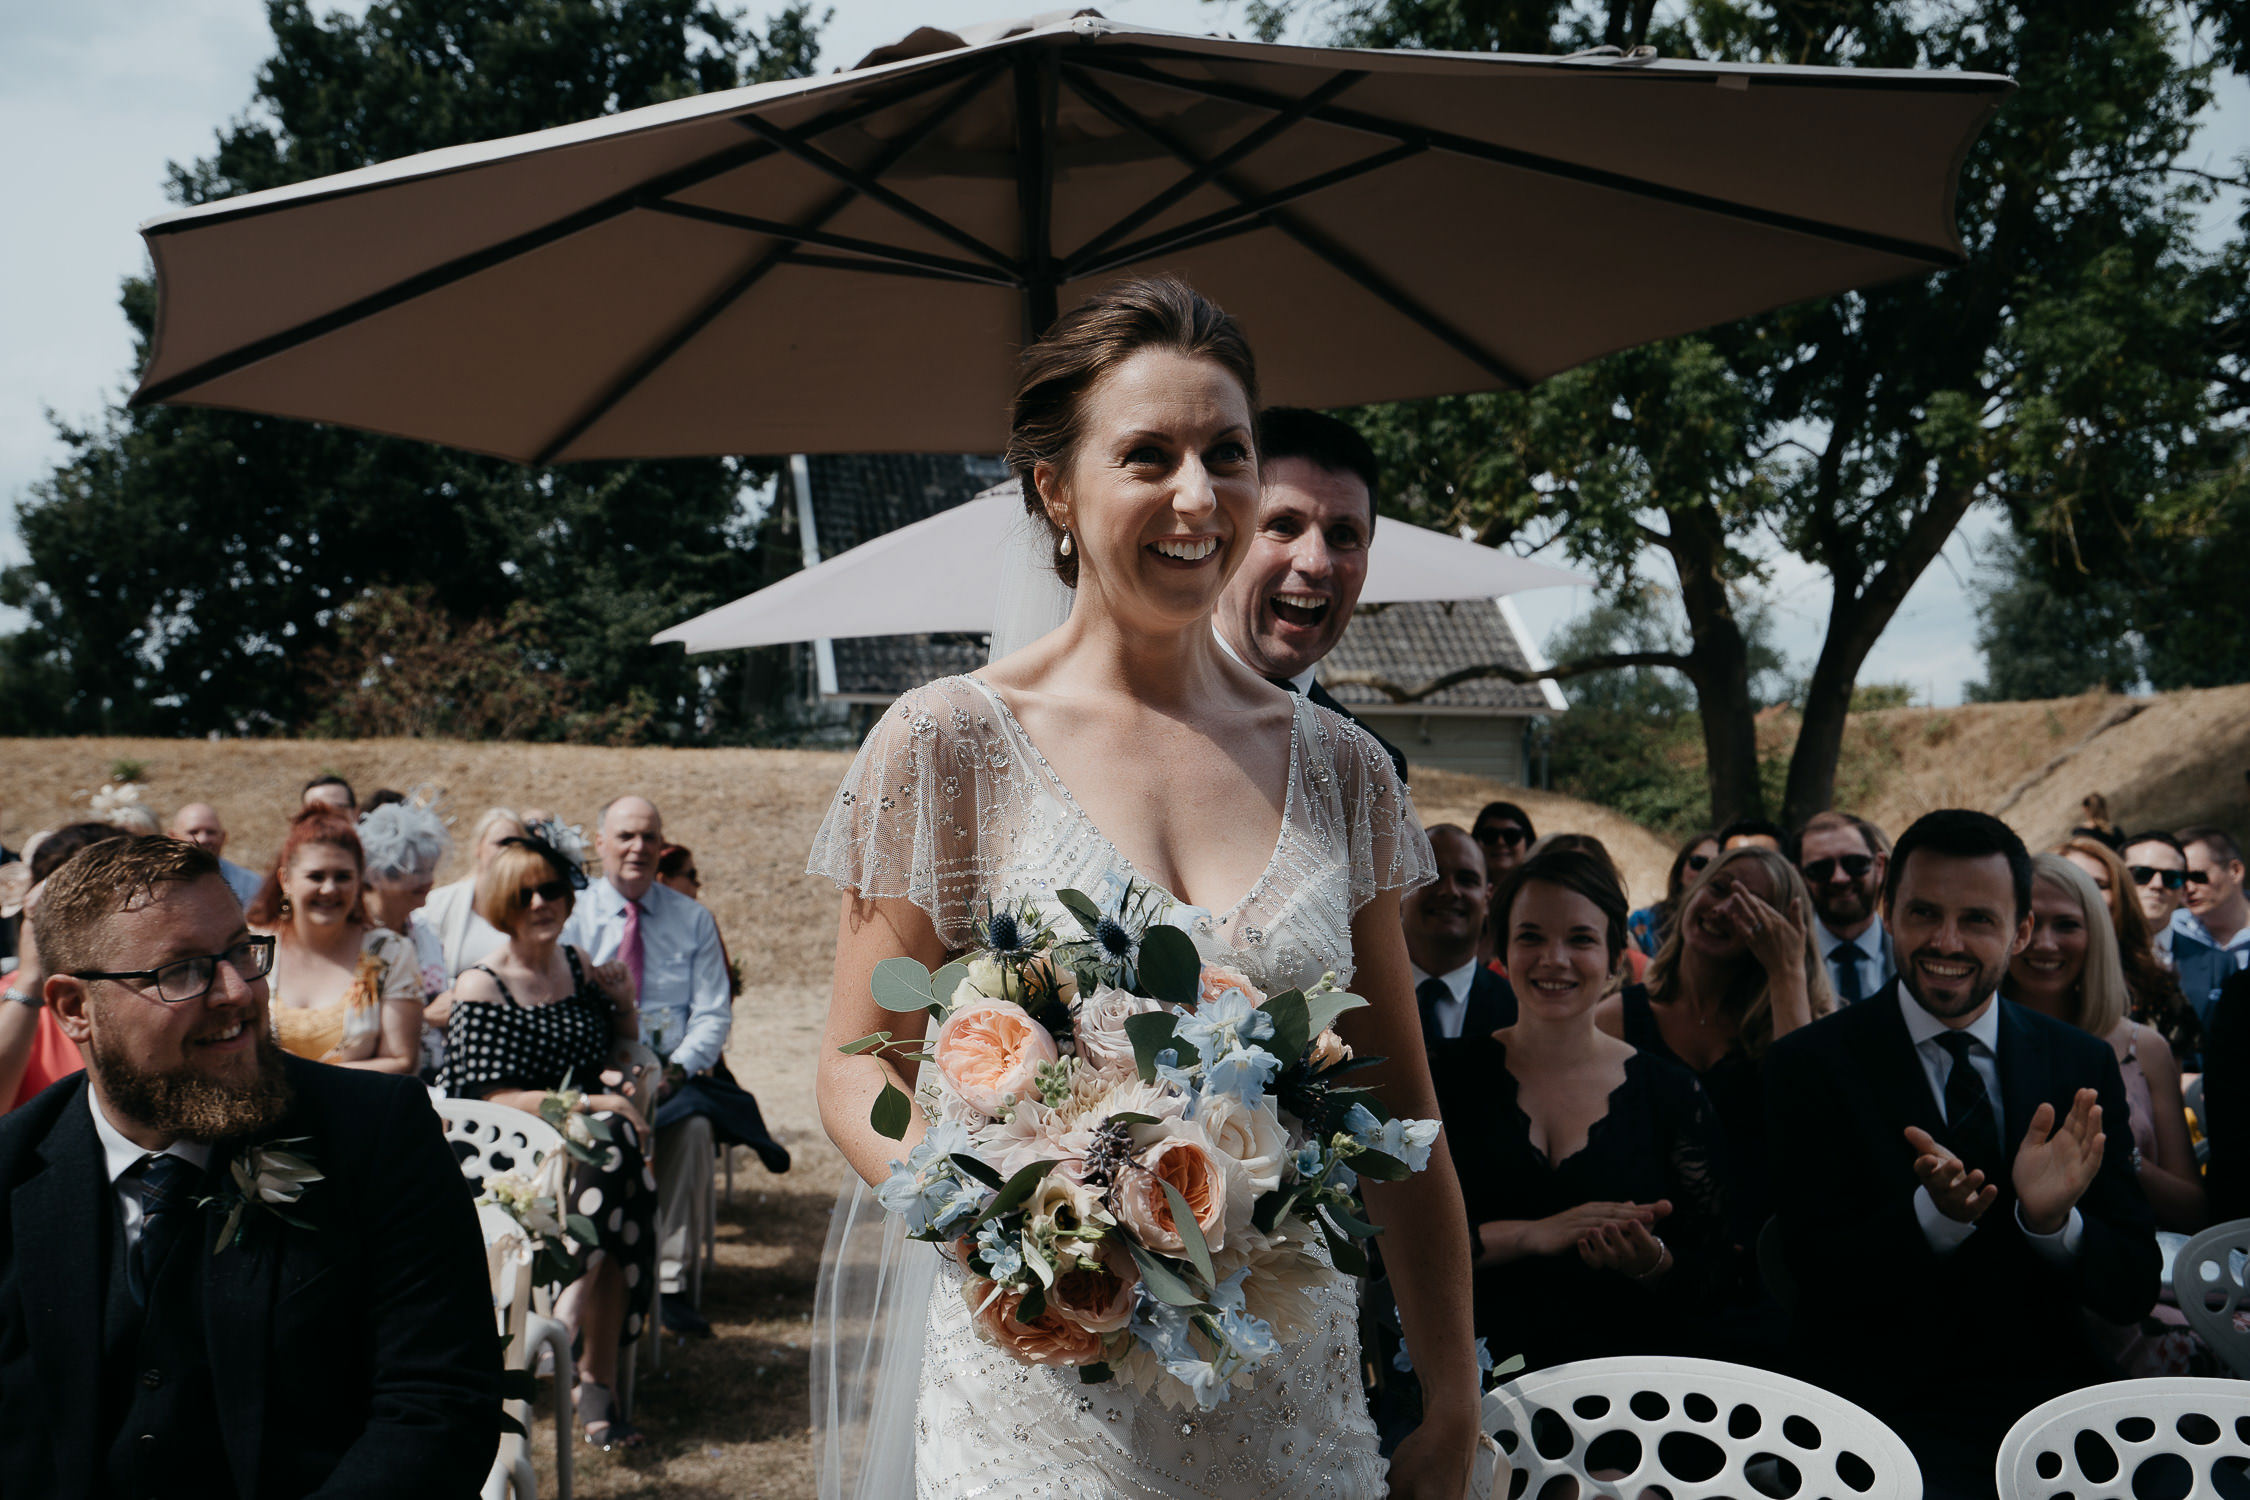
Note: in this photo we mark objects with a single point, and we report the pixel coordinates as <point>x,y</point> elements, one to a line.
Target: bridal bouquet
<point>1128,1149</point>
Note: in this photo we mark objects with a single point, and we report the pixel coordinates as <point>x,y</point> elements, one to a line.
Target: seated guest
<point>198,823</point>
<point>1737,971</point>
<point>464,938</point>
<point>1503,831</point>
<point>1941,1171</point>
<point>1754,833</point>
<point>345,990</point>
<point>2211,934</point>
<point>330,791</point>
<point>1457,995</point>
<point>2152,995</point>
<point>35,1051</point>
<point>676,868</point>
<point>338,1342</point>
<point>1651,924</point>
<point>535,1017</point>
<point>1587,1166</point>
<point>404,845</point>
<point>2158,866</point>
<point>1843,872</point>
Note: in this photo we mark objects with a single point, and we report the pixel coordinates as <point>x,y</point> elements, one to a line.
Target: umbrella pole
<point>1035,186</point>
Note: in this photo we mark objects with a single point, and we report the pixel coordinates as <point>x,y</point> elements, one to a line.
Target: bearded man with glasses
<point>158,1332</point>
<point>1843,863</point>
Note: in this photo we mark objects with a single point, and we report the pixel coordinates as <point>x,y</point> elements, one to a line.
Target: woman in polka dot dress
<point>531,1016</point>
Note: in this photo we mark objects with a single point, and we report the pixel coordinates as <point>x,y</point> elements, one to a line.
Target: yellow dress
<point>322,1031</point>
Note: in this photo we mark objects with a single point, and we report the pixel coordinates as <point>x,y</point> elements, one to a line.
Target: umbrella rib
<point>1336,256</point>
<point>1035,187</point>
<point>437,278</point>
<point>1461,145</point>
<point>703,316</point>
<point>864,184</point>
<point>1244,216</point>
<point>918,261</point>
<point>1254,141</point>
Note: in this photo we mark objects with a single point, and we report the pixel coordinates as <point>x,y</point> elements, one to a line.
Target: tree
<point>185,565</point>
<point>2064,372</point>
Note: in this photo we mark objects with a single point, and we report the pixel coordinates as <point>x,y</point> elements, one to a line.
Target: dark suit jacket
<point>2226,1099</point>
<point>1990,1329</point>
<point>1492,1005</point>
<point>1327,700</point>
<point>354,1359</point>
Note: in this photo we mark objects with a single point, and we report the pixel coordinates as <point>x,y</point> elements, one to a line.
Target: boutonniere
<point>265,1177</point>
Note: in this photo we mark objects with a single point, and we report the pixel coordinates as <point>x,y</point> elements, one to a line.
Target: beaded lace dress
<point>950,804</point>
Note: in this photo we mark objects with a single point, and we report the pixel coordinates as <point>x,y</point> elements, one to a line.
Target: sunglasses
<point>1855,867</point>
<point>2143,874</point>
<point>1502,833</point>
<point>1696,862</point>
<point>553,892</point>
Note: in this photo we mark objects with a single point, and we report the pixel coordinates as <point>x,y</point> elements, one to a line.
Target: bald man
<point>670,944</point>
<point>198,823</point>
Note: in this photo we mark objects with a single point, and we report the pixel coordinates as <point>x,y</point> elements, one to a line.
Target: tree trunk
<point>1719,665</point>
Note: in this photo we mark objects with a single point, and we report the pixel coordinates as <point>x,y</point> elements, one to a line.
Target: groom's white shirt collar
<point>1302,682</point>
<point>120,1155</point>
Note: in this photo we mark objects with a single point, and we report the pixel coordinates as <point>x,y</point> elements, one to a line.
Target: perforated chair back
<point>1693,1428</point>
<point>2207,1283</point>
<point>493,1138</point>
<point>2168,1436</point>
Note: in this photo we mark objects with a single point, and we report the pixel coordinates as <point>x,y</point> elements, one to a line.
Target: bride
<point>1126,746</point>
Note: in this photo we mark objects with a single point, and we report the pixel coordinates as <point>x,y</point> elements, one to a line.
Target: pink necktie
<point>630,950</point>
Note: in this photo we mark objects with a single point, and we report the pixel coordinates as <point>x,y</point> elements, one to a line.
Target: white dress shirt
<point>121,1156</point>
<point>1302,682</point>
<point>1873,972</point>
<point>685,998</point>
<point>464,938</point>
<point>1944,1234</point>
<point>1454,1013</point>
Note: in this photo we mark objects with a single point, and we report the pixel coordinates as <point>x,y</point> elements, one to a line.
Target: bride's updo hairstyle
<point>1083,348</point>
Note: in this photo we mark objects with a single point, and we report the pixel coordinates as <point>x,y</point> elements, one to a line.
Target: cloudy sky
<point>96,96</point>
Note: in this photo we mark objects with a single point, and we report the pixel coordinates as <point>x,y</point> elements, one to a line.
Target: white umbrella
<point>942,575</point>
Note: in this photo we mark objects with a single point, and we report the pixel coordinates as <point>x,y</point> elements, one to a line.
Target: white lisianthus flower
<point>1099,1027</point>
<point>987,977</point>
<point>1254,1137</point>
<point>1063,1201</point>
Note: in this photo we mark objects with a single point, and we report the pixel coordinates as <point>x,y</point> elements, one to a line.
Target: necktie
<point>1846,957</point>
<point>630,950</point>
<point>1971,1128</point>
<point>1428,996</point>
<point>168,1190</point>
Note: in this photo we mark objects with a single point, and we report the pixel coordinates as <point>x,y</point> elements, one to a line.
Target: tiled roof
<point>1411,644</point>
<point>858,497</point>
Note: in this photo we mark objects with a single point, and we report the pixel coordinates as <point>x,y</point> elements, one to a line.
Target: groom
<point>340,1344</point>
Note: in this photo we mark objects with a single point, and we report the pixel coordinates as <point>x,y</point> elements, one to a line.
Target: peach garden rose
<point>1049,1339</point>
<point>990,1051</point>
<point>1183,1158</point>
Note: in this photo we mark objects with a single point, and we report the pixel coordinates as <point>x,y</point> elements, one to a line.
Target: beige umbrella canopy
<point>849,263</point>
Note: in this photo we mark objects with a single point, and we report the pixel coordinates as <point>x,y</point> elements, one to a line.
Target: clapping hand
<point>1627,1246</point>
<point>1960,1194</point>
<point>2056,1164</point>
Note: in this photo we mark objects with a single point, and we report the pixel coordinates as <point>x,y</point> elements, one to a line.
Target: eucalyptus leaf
<point>1292,1031</point>
<point>867,1043</point>
<point>1081,906</point>
<point>977,1169</point>
<point>1164,1279</point>
<point>1352,1225</point>
<point>1130,1118</point>
<point>582,1229</point>
<point>945,981</point>
<point>1381,1166</point>
<point>1151,1034</point>
<point>1349,1258</point>
<point>1096,1373</point>
<point>1012,1195</point>
<point>1321,1013</point>
<point>1170,968</point>
<point>1272,1207</point>
<point>1033,1305</point>
<point>1191,1233</point>
<point>901,984</point>
<point>891,1113</point>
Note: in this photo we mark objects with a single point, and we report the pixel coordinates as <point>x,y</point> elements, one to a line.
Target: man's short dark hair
<point>1823,822</point>
<point>2154,836</point>
<point>1959,833</point>
<point>1756,827</point>
<point>2220,842</point>
<point>56,849</point>
<point>1492,811</point>
<point>1318,438</point>
<point>331,779</point>
<point>101,881</point>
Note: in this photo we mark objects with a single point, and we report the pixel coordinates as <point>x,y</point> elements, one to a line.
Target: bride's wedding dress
<point>950,803</point>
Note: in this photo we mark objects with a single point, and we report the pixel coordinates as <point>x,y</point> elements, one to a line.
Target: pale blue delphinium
<point>1168,1070</point>
<point>927,1189</point>
<point>1245,1072</point>
<point>1404,1362</point>
<point>1408,1140</point>
<point>1226,1021</point>
<point>1361,1125</point>
<point>1003,1260</point>
<point>1163,1330</point>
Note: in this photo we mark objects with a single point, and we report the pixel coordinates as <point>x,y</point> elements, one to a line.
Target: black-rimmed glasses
<point>185,979</point>
<point>2143,874</point>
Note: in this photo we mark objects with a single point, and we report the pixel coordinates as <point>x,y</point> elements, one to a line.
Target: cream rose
<point>1049,1339</point>
<point>1099,1026</point>
<point>1182,1156</point>
<point>990,1051</point>
<point>1255,1138</point>
<point>1098,1300</point>
<point>995,980</point>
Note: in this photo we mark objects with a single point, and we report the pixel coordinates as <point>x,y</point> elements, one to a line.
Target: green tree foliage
<point>187,566</point>
<point>2065,373</point>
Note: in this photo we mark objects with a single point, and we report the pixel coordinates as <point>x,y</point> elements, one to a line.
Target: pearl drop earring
<point>1064,549</point>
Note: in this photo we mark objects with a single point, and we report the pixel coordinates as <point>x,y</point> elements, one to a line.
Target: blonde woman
<point>2152,991</point>
<point>2070,970</point>
<point>464,938</point>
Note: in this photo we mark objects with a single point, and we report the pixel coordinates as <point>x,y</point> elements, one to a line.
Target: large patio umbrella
<point>942,574</point>
<point>848,263</point>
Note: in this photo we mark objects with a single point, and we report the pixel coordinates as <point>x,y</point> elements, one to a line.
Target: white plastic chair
<point>2092,1444</point>
<point>2207,1283</point>
<point>508,1262</point>
<point>495,1138</point>
<point>1693,1428</point>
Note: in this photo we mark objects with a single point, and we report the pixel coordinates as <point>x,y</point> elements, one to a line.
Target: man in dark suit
<point>1458,996</point>
<point>160,1336</point>
<point>1287,605</point>
<point>1948,1196</point>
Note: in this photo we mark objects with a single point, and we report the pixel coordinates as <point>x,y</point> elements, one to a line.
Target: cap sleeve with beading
<point>916,814</point>
<point>1381,830</point>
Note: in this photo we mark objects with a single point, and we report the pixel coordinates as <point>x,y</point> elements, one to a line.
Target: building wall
<point>1481,744</point>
